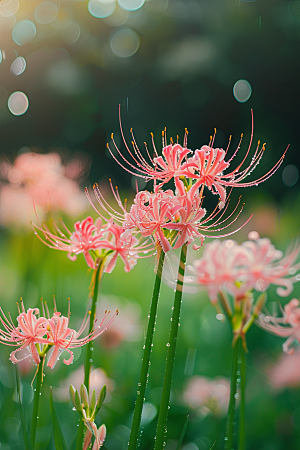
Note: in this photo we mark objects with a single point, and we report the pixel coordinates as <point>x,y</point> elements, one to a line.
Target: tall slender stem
<point>88,359</point>
<point>233,386</point>
<point>146,358</point>
<point>97,274</point>
<point>163,411</point>
<point>242,422</point>
<point>37,391</point>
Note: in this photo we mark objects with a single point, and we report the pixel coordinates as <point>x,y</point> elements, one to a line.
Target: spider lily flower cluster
<point>169,219</point>
<point>204,167</point>
<point>95,241</point>
<point>176,218</point>
<point>227,267</point>
<point>39,334</point>
<point>163,218</point>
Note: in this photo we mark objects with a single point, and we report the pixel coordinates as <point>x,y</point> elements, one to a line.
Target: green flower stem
<point>231,409</point>
<point>37,391</point>
<point>88,359</point>
<point>97,277</point>
<point>163,411</point>
<point>243,399</point>
<point>146,358</point>
<point>226,306</point>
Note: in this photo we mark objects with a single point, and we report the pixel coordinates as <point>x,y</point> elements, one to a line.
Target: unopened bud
<point>72,391</point>
<point>101,399</point>
<point>84,396</point>
<point>78,404</point>
<point>102,433</point>
<point>93,403</point>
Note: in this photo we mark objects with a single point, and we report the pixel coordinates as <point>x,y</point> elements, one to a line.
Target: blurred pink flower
<point>221,268</point>
<point>267,266</point>
<point>255,264</point>
<point>205,394</point>
<point>127,327</point>
<point>285,372</point>
<point>286,326</point>
<point>98,378</point>
<point>41,180</point>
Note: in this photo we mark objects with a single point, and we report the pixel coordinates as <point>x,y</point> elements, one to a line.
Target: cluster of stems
<point>165,398</point>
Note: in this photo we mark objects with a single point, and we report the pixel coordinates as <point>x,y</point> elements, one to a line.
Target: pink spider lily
<point>147,214</point>
<point>85,239</point>
<point>150,213</point>
<point>175,219</point>
<point>108,210</point>
<point>38,335</point>
<point>206,166</point>
<point>188,214</point>
<point>221,266</point>
<point>266,266</point>
<point>95,241</point>
<point>171,219</point>
<point>163,168</point>
<point>31,330</point>
<point>63,338</point>
<point>242,268</point>
<point>287,326</point>
<point>118,241</point>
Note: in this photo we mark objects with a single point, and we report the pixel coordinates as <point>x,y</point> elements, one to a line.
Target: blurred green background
<point>65,66</point>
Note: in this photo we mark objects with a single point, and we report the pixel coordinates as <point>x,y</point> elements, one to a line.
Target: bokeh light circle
<point>124,42</point>
<point>18,103</point>
<point>23,32</point>
<point>290,175</point>
<point>18,66</point>
<point>131,5</point>
<point>242,91</point>
<point>72,33</point>
<point>9,8</point>
<point>46,12</point>
<point>101,9</point>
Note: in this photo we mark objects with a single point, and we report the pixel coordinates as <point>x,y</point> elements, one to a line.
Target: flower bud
<point>93,403</point>
<point>78,404</point>
<point>84,396</point>
<point>101,399</point>
<point>72,391</point>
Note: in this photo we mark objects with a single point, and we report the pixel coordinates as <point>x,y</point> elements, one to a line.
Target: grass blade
<point>22,415</point>
<point>60,443</point>
<point>183,433</point>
